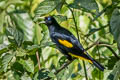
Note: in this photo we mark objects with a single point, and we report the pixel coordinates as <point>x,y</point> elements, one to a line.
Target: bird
<point>67,43</point>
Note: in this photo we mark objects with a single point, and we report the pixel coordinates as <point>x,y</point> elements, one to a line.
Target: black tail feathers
<point>98,65</point>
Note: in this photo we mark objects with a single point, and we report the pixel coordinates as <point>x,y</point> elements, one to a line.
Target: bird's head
<point>49,20</point>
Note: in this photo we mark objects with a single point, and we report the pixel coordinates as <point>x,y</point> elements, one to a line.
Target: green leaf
<point>25,43</point>
<point>38,34</point>
<point>46,7</point>
<point>20,52</point>
<point>6,60</point>
<point>115,74</point>
<point>115,25</point>
<point>97,74</point>
<point>60,18</point>
<point>4,48</point>
<point>31,50</point>
<point>4,4</point>
<point>41,75</point>
<point>25,77</point>
<point>59,7</point>
<point>17,67</point>
<point>33,47</point>
<point>62,60</point>
<point>111,62</point>
<point>2,17</point>
<point>24,23</point>
<point>86,4</point>
<point>50,44</point>
<point>14,35</point>
<point>16,76</point>
<point>93,31</point>
<point>14,2</point>
<point>27,64</point>
<point>51,74</point>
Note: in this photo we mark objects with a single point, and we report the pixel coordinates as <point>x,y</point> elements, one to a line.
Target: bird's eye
<point>49,19</point>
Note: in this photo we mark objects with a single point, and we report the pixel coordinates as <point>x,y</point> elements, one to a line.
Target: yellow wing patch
<point>65,43</point>
<point>82,58</point>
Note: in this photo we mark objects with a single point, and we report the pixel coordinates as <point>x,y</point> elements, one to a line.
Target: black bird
<point>67,43</point>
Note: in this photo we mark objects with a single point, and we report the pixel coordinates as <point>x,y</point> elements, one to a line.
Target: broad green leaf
<point>115,25</point>
<point>33,47</point>
<point>86,4</point>
<point>46,7</point>
<point>2,18</point>
<point>20,52</point>
<point>60,18</point>
<point>115,74</point>
<point>4,48</point>
<point>45,33</point>
<point>25,77</point>
<point>111,62</point>
<point>14,2</point>
<point>51,74</point>
<point>97,74</point>
<point>16,76</point>
<point>31,50</point>
<point>6,60</point>
<point>25,43</point>
<point>4,4</point>
<point>41,75</point>
<point>59,7</point>
<point>24,23</point>
<point>17,67</point>
<point>50,44</point>
<point>14,35</point>
<point>38,34</point>
<point>27,64</point>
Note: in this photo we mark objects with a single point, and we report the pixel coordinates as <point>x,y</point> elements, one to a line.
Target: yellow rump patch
<point>82,58</point>
<point>65,43</point>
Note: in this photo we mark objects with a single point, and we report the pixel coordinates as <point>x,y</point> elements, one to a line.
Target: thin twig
<point>96,42</point>
<point>79,41</point>
<point>63,66</point>
<point>99,61</point>
<point>75,23</point>
<point>114,53</point>
<point>98,29</point>
<point>37,55</point>
<point>98,15</point>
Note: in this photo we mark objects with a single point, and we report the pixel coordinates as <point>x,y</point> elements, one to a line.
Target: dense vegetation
<point>27,53</point>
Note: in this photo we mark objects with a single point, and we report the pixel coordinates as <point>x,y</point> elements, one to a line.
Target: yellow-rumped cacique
<point>67,43</point>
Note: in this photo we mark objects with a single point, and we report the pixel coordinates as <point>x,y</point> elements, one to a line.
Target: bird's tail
<point>98,65</point>
<point>88,58</point>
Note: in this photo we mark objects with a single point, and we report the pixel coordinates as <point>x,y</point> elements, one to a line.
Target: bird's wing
<point>67,40</point>
<point>71,44</point>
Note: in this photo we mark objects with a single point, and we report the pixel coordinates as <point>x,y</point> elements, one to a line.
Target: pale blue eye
<point>49,18</point>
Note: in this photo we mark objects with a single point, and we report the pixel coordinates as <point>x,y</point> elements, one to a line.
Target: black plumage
<point>67,43</point>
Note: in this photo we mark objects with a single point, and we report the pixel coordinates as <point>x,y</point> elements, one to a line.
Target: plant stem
<point>79,41</point>
<point>37,55</point>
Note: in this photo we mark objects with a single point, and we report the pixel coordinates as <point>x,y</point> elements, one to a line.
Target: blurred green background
<point>23,37</point>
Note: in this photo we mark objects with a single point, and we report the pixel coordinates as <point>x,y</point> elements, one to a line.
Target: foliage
<point>23,35</point>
